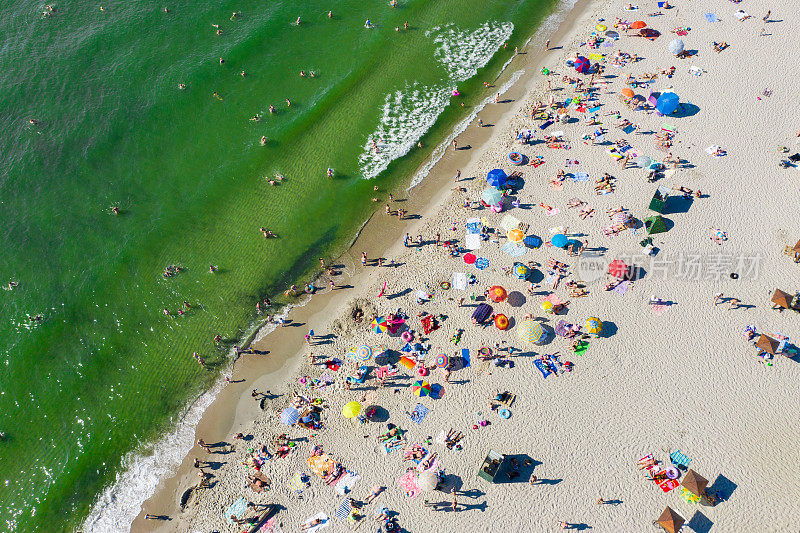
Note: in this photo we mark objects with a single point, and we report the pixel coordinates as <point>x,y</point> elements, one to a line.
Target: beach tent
<point>582,65</point>
<point>491,466</point>
<point>667,103</point>
<point>530,330</point>
<point>659,200</point>
<point>694,482</point>
<point>649,33</point>
<point>655,224</point>
<point>676,46</point>
<point>482,312</point>
<point>496,178</point>
<point>781,299</point>
<point>768,344</point>
<point>532,241</point>
<point>492,196</point>
<point>670,521</point>
<point>559,240</point>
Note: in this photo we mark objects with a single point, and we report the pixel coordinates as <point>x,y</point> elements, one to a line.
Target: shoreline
<point>215,422</point>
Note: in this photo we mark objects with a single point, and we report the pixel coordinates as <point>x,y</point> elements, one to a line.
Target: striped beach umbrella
<point>530,330</point>
<point>519,271</point>
<point>296,484</point>
<point>594,325</point>
<point>290,416</point>
<point>363,354</point>
<point>442,360</point>
<point>379,325</point>
<point>427,481</point>
<point>621,218</point>
<point>421,388</point>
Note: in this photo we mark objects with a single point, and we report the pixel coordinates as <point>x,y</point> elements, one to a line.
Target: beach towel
<point>608,44</point>
<point>546,124</point>
<point>669,484</point>
<point>271,526</point>
<point>622,288</point>
<point>580,177</point>
<point>559,133</point>
<point>514,249</point>
<point>319,516</point>
<point>711,17</point>
<point>543,368</point>
<point>581,348</point>
<point>594,110</point>
<point>392,445</point>
<point>419,413</point>
<point>464,357</point>
<point>460,281</point>
<point>472,241</point>
<point>344,509</point>
<point>237,509</point>
<point>321,464</point>
<point>629,129</point>
<point>553,299</point>
<point>473,225</point>
<point>346,483</point>
<point>296,484</point>
<point>679,459</point>
<point>552,212</point>
<point>481,263</point>
<point>597,57</point>
<point>658,309</point>
<point>408,482</point>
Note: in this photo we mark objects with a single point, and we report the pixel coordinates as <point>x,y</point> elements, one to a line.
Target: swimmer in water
<point>302,74</point>
<point>393,3</point>
<point>298,21</point>
<point>255,118</point>
<point>272,109</point>
<point>330,14</point>
<point>368,24</point>
<point>217,96</point>
<point>288,103</point>
<point>166,10</point>
<point>263,141</point>
<point>243,74</point>
<point>235,14</point>
<point>212,268</point>
<point>181,86</point>
<point>115,210</point>
<point>330,172</point>
<point>405,25</point>
<point>311,73</point>
<point>33,121</point>
<point>221,61</point>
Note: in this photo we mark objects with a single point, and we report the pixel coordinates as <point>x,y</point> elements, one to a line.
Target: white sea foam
<point>408,113</point>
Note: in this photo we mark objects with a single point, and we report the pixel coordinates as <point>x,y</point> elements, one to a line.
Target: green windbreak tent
<point>655,224</point>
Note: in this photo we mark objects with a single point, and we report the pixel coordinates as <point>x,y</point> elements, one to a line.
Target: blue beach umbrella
<point>520,271</point>
<point>496,178</point>
<point>559,240</point>
<point>532,241</point>
<point>667,103</point>
<point>290,416</point>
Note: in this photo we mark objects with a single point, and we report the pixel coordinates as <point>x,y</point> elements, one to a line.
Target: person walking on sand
<point>533,479</point>
<point>547,45</point>
<point>455,144</point>
<point>455,501</point>
<point>732,303</point>
<point>497,98</point>
<point>717,297</point>
<point>363,258</point>
<point>458,175</point>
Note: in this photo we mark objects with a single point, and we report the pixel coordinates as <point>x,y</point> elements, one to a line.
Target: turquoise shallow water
<point>103,370</point>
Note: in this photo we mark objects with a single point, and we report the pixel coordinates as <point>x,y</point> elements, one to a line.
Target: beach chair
<point>680,460</point>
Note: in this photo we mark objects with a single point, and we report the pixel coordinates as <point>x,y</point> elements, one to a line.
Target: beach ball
<point>547,306</point>
<point>351,410</point>
<point>501,322</point>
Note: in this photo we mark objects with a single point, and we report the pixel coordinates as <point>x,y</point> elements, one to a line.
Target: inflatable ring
<point>407,336</point>
<point>734,275</point>
<point>422,371</point>
<point>504,413</point>
<point>445,286</point>
<point>516,158</point>
<point>601,27</point>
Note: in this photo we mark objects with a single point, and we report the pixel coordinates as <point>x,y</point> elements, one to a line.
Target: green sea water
<point>90,366</point>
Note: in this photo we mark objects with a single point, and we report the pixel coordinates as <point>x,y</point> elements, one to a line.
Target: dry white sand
<point>686,379</point>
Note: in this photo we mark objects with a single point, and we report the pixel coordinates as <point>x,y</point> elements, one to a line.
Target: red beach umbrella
<point>618,268</point>
<point>469,259</point>
<point>638,25</point>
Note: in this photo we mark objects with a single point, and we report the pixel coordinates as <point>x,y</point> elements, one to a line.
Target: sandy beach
<point>671,370</point>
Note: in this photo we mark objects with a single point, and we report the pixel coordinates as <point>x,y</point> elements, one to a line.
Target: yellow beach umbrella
<point>547,306</point>
<point>593,325</point>
<point>351,409</point>
<point>530,330</point>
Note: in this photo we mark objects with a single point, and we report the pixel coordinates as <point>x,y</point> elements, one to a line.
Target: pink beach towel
<point>408,482</point>
<point>658,309</point>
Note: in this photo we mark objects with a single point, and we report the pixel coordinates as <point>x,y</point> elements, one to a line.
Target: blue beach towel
<point>580,177</point>
<point>473,227</point>
<point>546,124</point>
<point>543,368</point>
<point>594,109</point>
<point>465,357</point>
<point>679,459</point>
<point>419,413</point>
<point>344,509</point>
<point>711,17</point>
<point>628,129</point>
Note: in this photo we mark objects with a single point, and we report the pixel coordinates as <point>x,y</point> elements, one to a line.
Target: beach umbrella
<point>515,236</point>
<point>582,65</point>
<point>627,92</point>
<point>497,294</point>
<point>621,218</point>
<point>667,103</point>
<point>530,330</point>
<point>519,271</point>
<point>559,240</point>
<point>379,325</point>
<point>482,312</point>
<point>694,482</point>
<point>638,25</point>
<point>618,268</point>
<point>611,34</point>
<point>442,360</point>
<point>363,354</point>
<point>532,241</point>
<point>670,520</point>
<point>547,306</point>
<point>782,299</point>
<point>593,325</point>
<point>768,344</point>
<point>676,46</point>
<point>469,259</point>
<point>492,196</point>
<point>290,416</point>
<point>427,481</point>
<point>351,409</point>
<point>501,322</point>
<point>421,388</point>
<point>496,178</point>
<point>643,161</point>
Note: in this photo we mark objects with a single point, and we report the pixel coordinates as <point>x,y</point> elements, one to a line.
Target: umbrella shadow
<point>516,299</point>
<point>684,110</point>
<point>398,294</point>
<point>722,487</point>
<point>700,523</point>
<point>678,204</point>
<point>609,330</point>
